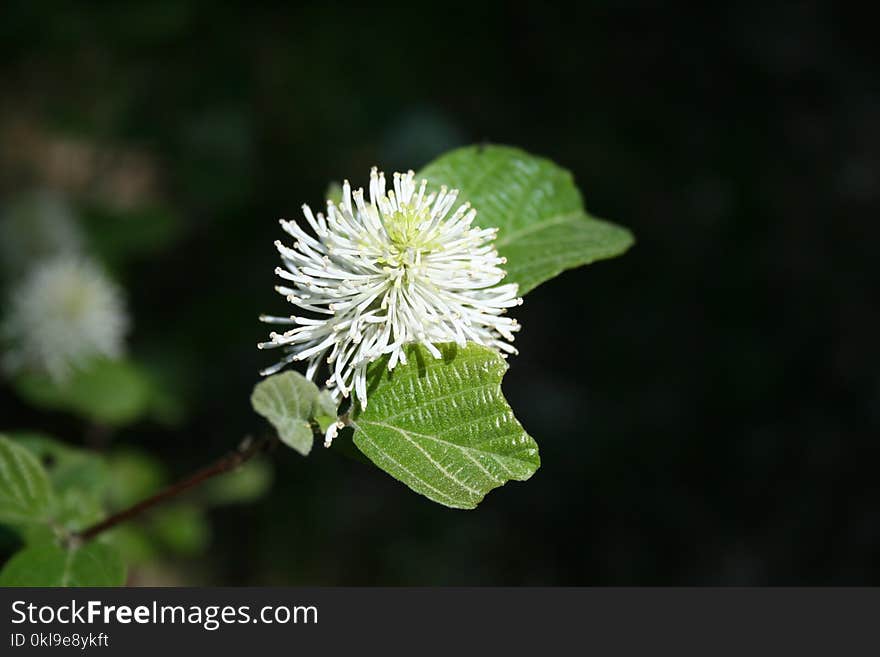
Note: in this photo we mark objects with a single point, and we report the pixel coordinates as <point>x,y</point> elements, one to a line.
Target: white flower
<point>377,276</point>
<point>63,313</point>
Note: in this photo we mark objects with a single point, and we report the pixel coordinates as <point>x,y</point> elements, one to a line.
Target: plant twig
<point>247,450</point>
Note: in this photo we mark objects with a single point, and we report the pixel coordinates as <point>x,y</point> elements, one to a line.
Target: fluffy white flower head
<point>63,313</point>
<point>377,275</point>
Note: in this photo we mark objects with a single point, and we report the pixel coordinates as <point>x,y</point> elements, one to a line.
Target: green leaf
<point>25,491</point>
<point>78,479</point>
<point>73,509</point>
<point>443,427</point>
<point>68,467</point>
<point>112,392</point>
<point>542,226</point>
<point>94,564</point>
<point>287,401</point>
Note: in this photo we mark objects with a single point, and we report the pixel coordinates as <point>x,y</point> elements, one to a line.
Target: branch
<point>247,450</point>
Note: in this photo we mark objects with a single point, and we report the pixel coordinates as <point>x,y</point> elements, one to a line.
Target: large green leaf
<point>542,226</point>
<point>443,427</point>
<point>288,401</point>
<point>25,490</point>
<point>94,564</point>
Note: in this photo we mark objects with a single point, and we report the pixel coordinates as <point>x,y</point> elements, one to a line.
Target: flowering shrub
<point>405,296</point>
<point>401,299</point>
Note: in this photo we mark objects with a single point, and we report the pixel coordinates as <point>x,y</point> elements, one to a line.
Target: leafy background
<point>707,407</point>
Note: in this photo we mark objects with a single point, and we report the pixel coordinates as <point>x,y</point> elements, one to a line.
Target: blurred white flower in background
<point>62,314</point>
<point>36,226</point>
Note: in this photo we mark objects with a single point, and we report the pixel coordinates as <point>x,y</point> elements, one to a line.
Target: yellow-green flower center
<point>409,236</point>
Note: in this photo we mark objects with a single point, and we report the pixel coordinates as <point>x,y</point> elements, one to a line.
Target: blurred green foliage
<point>106,392</point>
<point>80,487</point>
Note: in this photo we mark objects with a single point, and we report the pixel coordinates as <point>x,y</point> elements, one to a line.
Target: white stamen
<point>332,432</point>
<point>403,268</point>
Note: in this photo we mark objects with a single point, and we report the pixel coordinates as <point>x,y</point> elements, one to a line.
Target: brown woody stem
<point>247,450</point>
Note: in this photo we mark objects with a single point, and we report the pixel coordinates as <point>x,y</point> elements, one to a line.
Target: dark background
<point>707,406</point>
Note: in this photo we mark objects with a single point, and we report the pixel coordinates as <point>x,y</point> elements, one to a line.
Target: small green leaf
<point>542,226</point>
<point>443,427</point>
<point>287,401</point>
<point>113,392</point>
<point>94,564</point>
<point>25,490</point>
